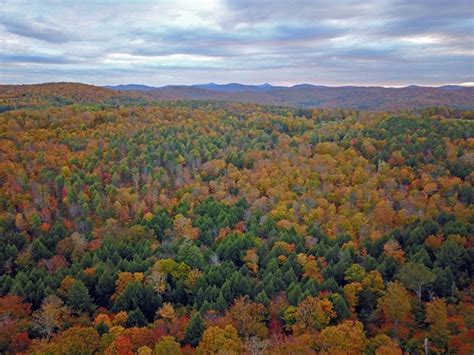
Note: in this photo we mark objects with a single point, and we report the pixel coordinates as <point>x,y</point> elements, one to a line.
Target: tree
<point>256,346</point>
<point>167,312</point>
<point>390,348</point>
<point>14,316</point>
<point>313,314</point>
<point>416,276</point>
<point>216,340</point>
<point>248,318</point>
<point>19,343</point>
<point>384,214</point>
<point>47,320</point>
<point>191,255</point>
<point>157,280</point>
<point>351,292</point>
<point>379,341</point>
<point>39,251</point>
<point>167,346</point>
<point>437,318</point>
<point>138,296</point>
<point>124,279</point>
<point>75,340</point>
<point>395,305</point>
<point>340,307</point>
<point>262,298</point>
<point>144,350</point>
<point>136,318</point>
<point>194,330</point>
<point>345,338</point>
<point>393,248</point>
<point>105,287</point>
<point>78,297</point>
<point>120,346</point>
<point>355,273</point>
<point>102,328</point>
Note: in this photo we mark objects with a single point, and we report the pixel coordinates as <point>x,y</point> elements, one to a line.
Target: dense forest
<point>303,96</point>
<point>130,226</point>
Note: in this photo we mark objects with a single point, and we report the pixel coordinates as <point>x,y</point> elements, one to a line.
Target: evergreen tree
<point>39,251</point>
<point>105,287</point>
<point>221,304</point>
<point>136,296</point>
<point>262,298</point>
<point>340,306</point>
<point>17,289</point>
<point>136,318</point>
<point>194,330</point>
<point>191,255</point>
<point>102,328</point>
<point>294,293</point>
<point>78,297</point>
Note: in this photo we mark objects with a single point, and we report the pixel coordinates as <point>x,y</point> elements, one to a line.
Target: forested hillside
<point>41,96</point>
<point>208,227</point>
<point>307,96</point>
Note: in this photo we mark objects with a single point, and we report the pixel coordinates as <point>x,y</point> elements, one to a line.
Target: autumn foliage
<point>134,226</point>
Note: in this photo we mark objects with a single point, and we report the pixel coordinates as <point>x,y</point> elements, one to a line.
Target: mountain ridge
<point>309,96</point>
<point>301,95</point>
<point>228,87</point>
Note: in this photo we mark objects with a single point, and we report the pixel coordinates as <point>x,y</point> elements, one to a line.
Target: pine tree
<point>102,328</point>
<point>262,298</point>
<point>136,318</point>
<point>289,277</point>
<point>29,290</point>
<point>340,306</point>
<point>205,307</point>
<point>194,330</point>
<point>39,251</point>
<point>294,294</point>
<point>78,297</point>
<point>17,289</point>
<point>105,287</point>
<point>221,304</point>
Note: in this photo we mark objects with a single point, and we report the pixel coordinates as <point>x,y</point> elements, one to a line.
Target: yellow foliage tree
<point>216,340</point>
<point>167,346</point>
<point>347,338</point>
<point>313,314</point>
<point>167,312</point>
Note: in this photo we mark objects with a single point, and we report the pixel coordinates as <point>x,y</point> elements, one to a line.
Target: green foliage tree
<point>136,318</point>
<point>78,297</point>
<point>416,276</point>
<point>194,330</point>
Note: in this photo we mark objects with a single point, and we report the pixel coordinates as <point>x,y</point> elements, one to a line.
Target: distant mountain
<point>231,87</point>
<point>452,87</point>
<point>235,87</point>
<point>131,87</point>
<point>307,86</point>
<point>306,95</point>
<point>303,95</point>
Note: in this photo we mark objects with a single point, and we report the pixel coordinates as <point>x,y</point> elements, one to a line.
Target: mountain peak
<point>131,87</point>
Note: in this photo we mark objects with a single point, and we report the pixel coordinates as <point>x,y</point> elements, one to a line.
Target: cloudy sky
<point>330,42</point>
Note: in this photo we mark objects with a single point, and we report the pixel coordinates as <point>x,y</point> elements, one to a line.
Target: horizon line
<point>464,84</point>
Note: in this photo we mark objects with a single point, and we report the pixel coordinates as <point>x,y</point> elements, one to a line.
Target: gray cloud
<point>378,42</point>
<point>39,59</point>
<point>37,30</point>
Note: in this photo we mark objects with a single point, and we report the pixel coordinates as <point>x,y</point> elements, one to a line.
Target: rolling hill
<point>303,95</point>
<point>368,98</point>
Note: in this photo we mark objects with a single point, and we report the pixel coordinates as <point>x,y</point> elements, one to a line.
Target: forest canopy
<point>203,226</point>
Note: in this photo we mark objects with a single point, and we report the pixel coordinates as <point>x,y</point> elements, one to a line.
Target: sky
<point>325,42</point>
